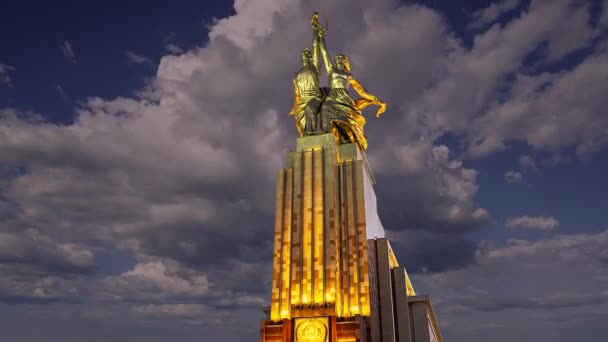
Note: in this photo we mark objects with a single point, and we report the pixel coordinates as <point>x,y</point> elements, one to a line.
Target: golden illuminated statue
<point>308,95</point>
<point>335,277</point>
<point>340,114</point>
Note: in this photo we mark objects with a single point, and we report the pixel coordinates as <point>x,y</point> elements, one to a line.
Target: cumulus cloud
<point>38,269</point>
<point>182,177</point>
<point>153,281</point>
<point>441,198</point>
<point>542,223</point>
<point>35,249</point>
<point>524,284</point>
<point>533,111</point>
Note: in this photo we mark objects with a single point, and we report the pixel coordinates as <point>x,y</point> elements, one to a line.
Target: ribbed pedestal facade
<point>328,282</point>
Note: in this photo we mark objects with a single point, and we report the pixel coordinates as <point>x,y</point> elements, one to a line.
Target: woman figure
<point>341,115</point>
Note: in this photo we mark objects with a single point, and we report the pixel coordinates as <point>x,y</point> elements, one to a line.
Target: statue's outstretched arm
<point>360,90</point>
<point>366,97</point>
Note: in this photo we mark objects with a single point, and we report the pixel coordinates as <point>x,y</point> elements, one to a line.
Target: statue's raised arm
<point>340,114</point>
<point>315,40</point>
<point>320,31</point>
<point>307,94</point>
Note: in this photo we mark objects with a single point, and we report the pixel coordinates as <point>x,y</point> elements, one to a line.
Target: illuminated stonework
<point>312,329</point>
<point>335,275</point>
<point>320,254</point>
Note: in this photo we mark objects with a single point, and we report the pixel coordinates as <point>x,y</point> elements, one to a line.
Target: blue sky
<point>140,142</point>
<point>99,35</point>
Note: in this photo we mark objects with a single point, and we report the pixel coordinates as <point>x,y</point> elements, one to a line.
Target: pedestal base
<point>308,329</point>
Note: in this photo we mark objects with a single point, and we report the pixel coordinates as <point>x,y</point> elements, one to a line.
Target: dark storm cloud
<point>524,284</point>
<point>35,249</point>
<point>37,284</point>
<point>482,285</point>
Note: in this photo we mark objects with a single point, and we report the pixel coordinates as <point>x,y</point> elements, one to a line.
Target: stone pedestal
<point>334,273</point>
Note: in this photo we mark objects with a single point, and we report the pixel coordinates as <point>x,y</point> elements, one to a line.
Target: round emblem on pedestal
<point>311,330</point>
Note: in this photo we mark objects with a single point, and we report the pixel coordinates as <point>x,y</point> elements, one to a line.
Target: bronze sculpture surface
<point>308,95</point>
<point>339,113</point>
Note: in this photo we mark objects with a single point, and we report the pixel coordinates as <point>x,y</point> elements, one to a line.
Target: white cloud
<point>512,176</point>
<point>526,285</point>
<point>157,280</point>
<point>554,111</point>
<point>491,13</point>
<point>496,53</point>
<point>5,77</point>
<point>527,163</point>
<point>541,223</point>
<point>252,22</point>
<point>137,59</point>
<point>60,90</point>
<point>68,52</point>
<point>439,189</point>
<point>174,49</point>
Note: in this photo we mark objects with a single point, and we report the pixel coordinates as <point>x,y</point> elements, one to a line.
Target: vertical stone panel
<point>420,321</point>
<point>374,300</point>
<point>278,248</point>
<point>331,226</point>
<point>350,207</point>
<point>318,227</point>
<point>296,232</point>
<point>343,242</point>
<point>385,291</point>
<point>361,238</point>
<point>402,316</point>
<point>307,230</point>
<point>285,308</point>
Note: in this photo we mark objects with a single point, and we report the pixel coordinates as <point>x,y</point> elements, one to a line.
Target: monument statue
<point>335,276</point>
<point>340,114</point>
<point>308,95</point>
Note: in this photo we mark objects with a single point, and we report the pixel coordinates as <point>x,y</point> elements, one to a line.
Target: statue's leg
<point>311,111</point>
<point>301,123</point>
<point>326,116</point>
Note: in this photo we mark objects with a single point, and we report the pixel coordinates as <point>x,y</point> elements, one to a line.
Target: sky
<point>140,141</point>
